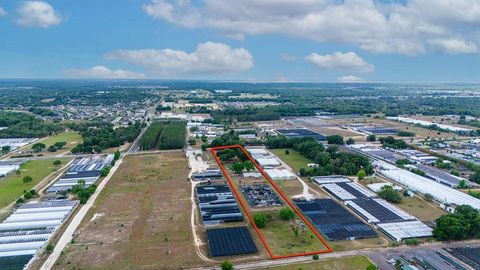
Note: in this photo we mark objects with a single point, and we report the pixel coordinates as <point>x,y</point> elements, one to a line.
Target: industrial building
<point>29,229</point>
<point>8,169</point>
<point>268,162</point>
<point>399,231</point>
<point>217,204</point>
<point>85,169</point>
<point>280,174</point>
<point>348,191</point>
<point>440,176</point>
<point>415,182</point>
<point>374,130</point>
<point>207,175</point>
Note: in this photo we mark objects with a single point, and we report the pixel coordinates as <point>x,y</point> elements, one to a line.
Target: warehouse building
<point>8,169</point>
<point>280,174</point>
<point>348,191</point>
<point>207,175</point>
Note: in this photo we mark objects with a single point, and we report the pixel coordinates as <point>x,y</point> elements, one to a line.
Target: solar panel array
<point>86,169</point>
<point>334,221</point>
<point>28,229</point>
<point>348,190</point>
<point>230,241</point>
<point>217,204</point>
<point>301,133</point>
<point>377,130</point>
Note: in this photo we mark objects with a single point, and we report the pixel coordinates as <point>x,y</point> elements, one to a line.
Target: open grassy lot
<point>421,209</point>
<point>70,137</point>
<point>294,159</point>
<point>281,238</point>
<point>12,186</point>
<point>141,220</point>
<point>344,263</point>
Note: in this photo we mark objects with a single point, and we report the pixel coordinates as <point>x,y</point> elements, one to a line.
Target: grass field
<point>12,186</point>
<point>344,263</point>
<point>141,220</point>
<point>282,239</point>
<point>71,138</point>
<point>294,159</point>
<point>421,209</point>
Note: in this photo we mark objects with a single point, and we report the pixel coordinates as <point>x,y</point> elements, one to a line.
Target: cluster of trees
<point>388,193</point>
<point>42,112</point>
<point>161,108</point>
<point>164,135</point>
<point>330,160</point>
<point>25,126</point>
<point>335,139</point>
<point>461,225</point>
<point>238,167</point>
<point>82,191</point>
<point>261,219</point>
<point>406,134</point>
<point>56,146</point>
<point>245,115</point>
<point>393,143</point>
<point>104,136</point>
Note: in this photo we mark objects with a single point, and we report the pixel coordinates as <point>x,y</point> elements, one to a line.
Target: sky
<point>254,40</point>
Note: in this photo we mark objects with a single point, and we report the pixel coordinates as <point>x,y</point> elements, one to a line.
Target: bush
<point>192,141</point>
<point>371,138</point>
<point>226,265</point>
<point>49,248</point>
<point>315,257</point>
<point>389,194</point>
<point>371,267</point>
<point>361,174</point>
<point>350,141</point>
<point>286,213</point>
<point>411,242</point>
<point>260,220</point>
<point>27,179</point>
<point>57,162</point>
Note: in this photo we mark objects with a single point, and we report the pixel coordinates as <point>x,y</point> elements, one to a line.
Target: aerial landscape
<point>256,134</point>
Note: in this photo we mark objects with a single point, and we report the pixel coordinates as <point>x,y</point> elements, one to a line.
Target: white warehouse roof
<point>407,229</point>
<point>421,184</point>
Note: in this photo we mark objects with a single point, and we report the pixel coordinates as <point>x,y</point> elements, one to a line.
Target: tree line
<point>164,135</point>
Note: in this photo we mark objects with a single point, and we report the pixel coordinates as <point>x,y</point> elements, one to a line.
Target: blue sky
<point>275,40</point>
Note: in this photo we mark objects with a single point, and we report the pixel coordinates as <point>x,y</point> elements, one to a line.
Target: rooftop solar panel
<point>377,211</point>
<point>230,241</point>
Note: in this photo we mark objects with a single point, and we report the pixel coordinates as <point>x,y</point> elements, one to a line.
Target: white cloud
<point>288,57</point>
<point>348,61</point>
<point>376,26</point>
<point>454,46</point>
<point>37,14</point>
<point>102,72</point>
<point>208,58</point>
<point>350,79</point>
<point>2,12</point>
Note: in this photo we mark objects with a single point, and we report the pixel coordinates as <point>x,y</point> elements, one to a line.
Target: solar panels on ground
<point>208,175</point>
<point>217,204</point>
<point>14,262</point>
<point>301,133</point>
<point>334,221</point>
<point>230,241</point>
<point>376,130</point>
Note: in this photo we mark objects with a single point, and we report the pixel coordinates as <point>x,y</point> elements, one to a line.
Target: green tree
<point>389,194</point>
<point>428,197</point>
<point>192,141</point>
<point>350,141</point>
<point>286,213</point>
<point>315,257</point>
<point>238,167</point>
<point>60,145</point>
<point>105,171</point>
<point>335,139</point>
<point>49,248</point>
<point>39,147</point>
<point>361,174</point>
<point>287,152</point>
<point>57,162</point>
<point>52,148</point>
<point>116,155</point>
<point>27,179</point>
<point>260,220</point>
<point>462,184</point>
<point>248,165</point>
<point>371,138</point>
<point>226,265</point>
<point>371,267</point>
<point>6,149</point>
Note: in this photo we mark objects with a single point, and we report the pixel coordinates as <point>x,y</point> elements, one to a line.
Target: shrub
<point>260,220</point>
<point>226,265</point>
<point>315,257</point>
<point>286,213</point>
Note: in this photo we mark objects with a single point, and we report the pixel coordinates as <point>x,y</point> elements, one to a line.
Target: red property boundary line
<point>244,206</point>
